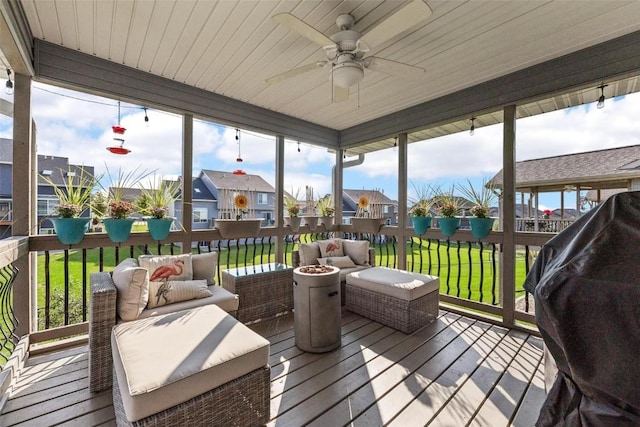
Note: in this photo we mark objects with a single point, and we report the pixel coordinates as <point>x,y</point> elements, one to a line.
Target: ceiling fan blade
<point>394,68</point>
<point>340,94</point>
<point>295,72</point>
<point>302,28</point>
<point>405,18</point>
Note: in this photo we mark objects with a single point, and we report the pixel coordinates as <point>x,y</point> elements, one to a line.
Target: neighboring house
<point>377,200</point>
<point>204,206</point>
<point>6,201</point>
<point>600,170</point>
<point>225,185</point>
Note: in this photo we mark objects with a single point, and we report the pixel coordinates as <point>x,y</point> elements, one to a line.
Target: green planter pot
<point>159,228</point>
<point>118,230</point>
<point>480,227</point>
<point>448,226</point>
<point>70,231</point>
<point>421,224</point>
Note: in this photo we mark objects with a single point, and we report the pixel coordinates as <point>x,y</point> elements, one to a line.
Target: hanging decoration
<point>118,137</point>
<point>239,159</point>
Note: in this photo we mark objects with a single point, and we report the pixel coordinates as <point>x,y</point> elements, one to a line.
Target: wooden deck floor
<point>454,372</point>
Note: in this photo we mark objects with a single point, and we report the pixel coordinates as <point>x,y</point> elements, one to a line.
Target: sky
<point>78,126</point>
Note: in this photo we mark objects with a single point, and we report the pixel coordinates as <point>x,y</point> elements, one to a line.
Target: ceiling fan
<point>346,49</point>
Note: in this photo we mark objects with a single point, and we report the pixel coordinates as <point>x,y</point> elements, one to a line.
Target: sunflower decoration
<point>363,206</point>
<point>240,202</point>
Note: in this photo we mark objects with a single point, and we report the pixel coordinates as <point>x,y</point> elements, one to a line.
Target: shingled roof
<point>610,168</point>
<point>228,181</point>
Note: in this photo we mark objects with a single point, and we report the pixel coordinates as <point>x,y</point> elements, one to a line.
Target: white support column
<point>24,196</point>
<point>402,200</point>
<point>338,186</point>
<point>507,266</point>
<point>279,207</point>
<point>187,181</point>
<point>578,201</point>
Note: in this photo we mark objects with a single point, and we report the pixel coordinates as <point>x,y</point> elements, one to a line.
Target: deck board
<point>456,371</point>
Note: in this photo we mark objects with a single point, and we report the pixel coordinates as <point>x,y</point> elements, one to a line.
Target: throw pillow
<point>167,267</point>
<point>309,253</point>
<point>331,248</point>
<point>132,284</point>
<point>163,293</point>
<point>204,266</point>
<point>339,261</point>
<point>358,251</point>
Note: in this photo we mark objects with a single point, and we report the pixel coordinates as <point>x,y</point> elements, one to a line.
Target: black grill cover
<point>586,284</point>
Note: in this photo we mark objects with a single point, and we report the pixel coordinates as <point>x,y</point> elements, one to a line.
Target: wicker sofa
<point>370,257</point>
<point>103,316</point>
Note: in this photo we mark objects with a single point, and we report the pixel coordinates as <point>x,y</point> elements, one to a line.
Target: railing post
<point>507,266</point>
<point>187,181</point>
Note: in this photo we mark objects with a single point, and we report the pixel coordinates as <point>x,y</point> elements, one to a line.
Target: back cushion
<point>331,248</point>
<point>309,253</point>
<point>163,293</point>
<point>132,283</point>
<point>167,267</point>
<point>204,266</point>
<point>358,251</point>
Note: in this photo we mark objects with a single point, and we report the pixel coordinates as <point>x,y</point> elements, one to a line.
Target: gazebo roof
<point>610,168</point>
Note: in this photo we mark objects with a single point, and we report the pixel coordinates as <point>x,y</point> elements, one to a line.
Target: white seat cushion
<point>165,360</point>
<point>219,296</point>
<point>396,283</point>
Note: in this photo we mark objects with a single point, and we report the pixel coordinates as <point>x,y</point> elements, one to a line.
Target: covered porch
<point>481,357</point>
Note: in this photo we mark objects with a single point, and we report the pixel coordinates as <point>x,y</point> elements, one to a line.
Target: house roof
<point>200,191</point>
<point>6,150</point>
<point>228,181</point>
<point>610,168</point>
<point>592,195</point>
<point>128,194</point>
<point>375,196</point>
<point>56,169</point>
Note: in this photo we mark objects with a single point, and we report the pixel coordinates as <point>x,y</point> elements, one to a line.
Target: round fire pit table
<point>316,305</point>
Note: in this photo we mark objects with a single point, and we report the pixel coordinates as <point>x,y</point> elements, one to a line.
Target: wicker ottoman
<point>198,367</point>
<point>400,299</point>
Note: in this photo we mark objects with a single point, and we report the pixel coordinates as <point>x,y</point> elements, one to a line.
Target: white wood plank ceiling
<point>231,47</point>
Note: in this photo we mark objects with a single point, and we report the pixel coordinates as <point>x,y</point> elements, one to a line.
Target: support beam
<point>338,186</point>
<point>507,266</point>
<point>187,181</point>
<point>402,200</point>
<point>24,171</point>
<point>279,208</point>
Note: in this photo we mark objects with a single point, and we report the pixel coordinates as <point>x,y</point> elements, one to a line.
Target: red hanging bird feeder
<point>239,159</point>
<point>118,131</point>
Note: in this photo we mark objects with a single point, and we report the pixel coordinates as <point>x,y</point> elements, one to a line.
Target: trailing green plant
<point>325,205</point>
<point>74,196</point>
<point>424,199</point>
<point>482,198</point>
<point>156,201</point>
<point>447,203</point>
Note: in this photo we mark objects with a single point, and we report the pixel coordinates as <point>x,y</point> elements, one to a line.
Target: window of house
<point>5,206</point>
<point>263,198</point>
<point>47,206</point>
<point>200,215</point>
<point>385,209</point>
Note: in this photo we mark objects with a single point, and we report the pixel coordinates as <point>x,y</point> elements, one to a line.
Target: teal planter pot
<point>480,227</point>
<point>70,231</point>
<point>159,228</point>
<point>448,226</point>
<point>421,224</point>
<point>118,230</point>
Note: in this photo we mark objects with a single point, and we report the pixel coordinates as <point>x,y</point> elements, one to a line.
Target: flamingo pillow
<point>331,248</point>
<point>163,268</point>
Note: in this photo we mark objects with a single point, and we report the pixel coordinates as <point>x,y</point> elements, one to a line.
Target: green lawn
<point>464,277</point>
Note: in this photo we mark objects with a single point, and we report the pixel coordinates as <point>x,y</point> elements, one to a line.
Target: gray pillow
<point>204,266</point>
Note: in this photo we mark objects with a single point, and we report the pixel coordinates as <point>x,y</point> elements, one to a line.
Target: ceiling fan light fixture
<point>347,74</point>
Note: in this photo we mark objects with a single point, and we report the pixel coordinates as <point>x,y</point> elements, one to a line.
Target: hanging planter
<point>233,229</point>
<point>421,224</point>
<point>118,230</point>
<point>367,225</point>
<point>311,221</point>
<point>159,228</point>
<point>480,227</point>
<point>327,222</point>
<point>448,226</point>
<point>70,231</point>
<point>293,222</point>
